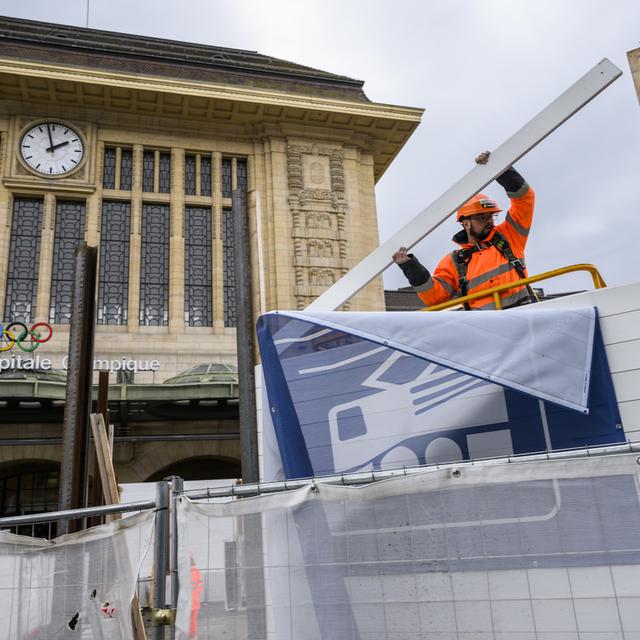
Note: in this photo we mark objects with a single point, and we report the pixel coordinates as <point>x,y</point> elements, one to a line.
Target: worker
<point>488,256</point>
<point>197,587</point>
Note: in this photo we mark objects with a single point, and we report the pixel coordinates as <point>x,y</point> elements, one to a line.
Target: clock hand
<point>50,139</point>
<point>53,147</point>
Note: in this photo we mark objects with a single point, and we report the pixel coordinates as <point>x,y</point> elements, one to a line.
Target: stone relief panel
<point>320,249</point>
<point>318,220</point>
<point>318,210</point>
<point>321,277</point>
<point>316,172</point>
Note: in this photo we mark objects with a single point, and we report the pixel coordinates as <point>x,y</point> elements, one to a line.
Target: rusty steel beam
<point>75,429</point>
<point>245,332</point>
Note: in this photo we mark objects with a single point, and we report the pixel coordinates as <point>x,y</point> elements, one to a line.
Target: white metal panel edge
<point>611,301</point>
<point>549,119</point>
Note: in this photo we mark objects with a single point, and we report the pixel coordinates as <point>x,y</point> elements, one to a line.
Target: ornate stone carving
<point>315,194</point>
<point>320,249</point>
<point>316,183</point>
<point>294,171</point>
<point>321,277</point>
<point>337,173</point>
<point>315,173</point>
<point>316,220</point>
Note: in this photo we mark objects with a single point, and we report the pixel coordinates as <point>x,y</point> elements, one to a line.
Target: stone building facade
<point>134,145</point>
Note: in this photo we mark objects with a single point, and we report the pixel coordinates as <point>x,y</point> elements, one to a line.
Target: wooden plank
<point>112,496</point>
<point>520,143</point>
<point>105,463</point>
<point>110,437</point>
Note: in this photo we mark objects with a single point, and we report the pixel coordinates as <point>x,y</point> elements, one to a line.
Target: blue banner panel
<point>342,403</point>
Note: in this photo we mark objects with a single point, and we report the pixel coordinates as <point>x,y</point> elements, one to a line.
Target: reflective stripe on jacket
<point>487,267</point>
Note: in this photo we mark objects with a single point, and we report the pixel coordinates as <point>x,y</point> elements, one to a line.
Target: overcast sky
<point>481,69</point>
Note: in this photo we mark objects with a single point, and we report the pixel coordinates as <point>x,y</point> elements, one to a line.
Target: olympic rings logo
<point>28,340</point>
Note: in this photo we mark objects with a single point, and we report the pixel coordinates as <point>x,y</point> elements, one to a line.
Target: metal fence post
<point>177,485</point>
<point>161,560</point>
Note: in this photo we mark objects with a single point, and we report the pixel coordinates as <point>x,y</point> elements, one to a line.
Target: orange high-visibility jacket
<point>196,589</point>
<point>487,267</point>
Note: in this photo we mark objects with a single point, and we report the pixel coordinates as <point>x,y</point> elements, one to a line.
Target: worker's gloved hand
<point>401,256</point>
<point>512,182</point>
<point>414,272</point>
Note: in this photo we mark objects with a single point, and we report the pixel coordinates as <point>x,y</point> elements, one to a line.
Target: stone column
<point>176,244</point>
<point>134,244</point>
<point>46,258</point>
<point>93,213</point>
<point>217,278</point>
<point>5,222</point>
<point>281,286</point>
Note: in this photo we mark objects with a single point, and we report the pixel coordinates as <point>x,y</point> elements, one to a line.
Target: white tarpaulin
<point>77,586</point>
<point>544,550</point>
<point>542,352</point>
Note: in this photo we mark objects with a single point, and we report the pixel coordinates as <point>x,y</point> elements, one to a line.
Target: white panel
<point>438,617</point>
<point>435,586</point>
<point>554,615</point>
<point>549,119</point>
<point>627,385</point>
<point>512,616</point>
<point>597,614</point>
<point>626,580</point>
<point>619,311</point>
<point>630,414</point>
<point>624,356</point>
<point>473,616</point>
<point>621,327</point>
<point>611,300</point>
<point>509,585</point>
<point>549,583</point>
<point>471,585</point>
<point>630,614</point>
<point>591,582</point>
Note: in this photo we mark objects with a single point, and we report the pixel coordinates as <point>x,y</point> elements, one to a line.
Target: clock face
<point>52,148</point>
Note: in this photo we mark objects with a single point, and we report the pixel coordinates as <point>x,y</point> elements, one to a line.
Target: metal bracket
<point>163,617</point>
<point>520,143</point>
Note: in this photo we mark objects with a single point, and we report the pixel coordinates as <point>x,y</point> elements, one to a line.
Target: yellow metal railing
<point>598,283</point>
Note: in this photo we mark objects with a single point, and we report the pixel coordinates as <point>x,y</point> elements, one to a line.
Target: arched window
<point>30,487</point>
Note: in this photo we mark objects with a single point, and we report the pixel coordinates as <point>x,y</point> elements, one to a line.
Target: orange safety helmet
<point>480,203</point>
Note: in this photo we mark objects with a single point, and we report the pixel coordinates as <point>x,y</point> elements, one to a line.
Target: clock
<point>52,149</point>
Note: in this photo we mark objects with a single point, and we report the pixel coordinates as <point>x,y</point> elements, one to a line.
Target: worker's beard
<point>482,234</point>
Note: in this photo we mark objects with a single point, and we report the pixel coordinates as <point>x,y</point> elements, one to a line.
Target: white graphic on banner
<point>437,399</point>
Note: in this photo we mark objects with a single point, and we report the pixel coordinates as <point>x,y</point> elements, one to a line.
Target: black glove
<point>415,272</point>
<point>513,183</point>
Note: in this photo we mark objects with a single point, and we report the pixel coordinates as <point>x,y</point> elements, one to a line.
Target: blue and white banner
<point>360,391</point>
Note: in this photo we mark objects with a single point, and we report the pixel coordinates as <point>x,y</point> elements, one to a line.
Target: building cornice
<point>208,90</point>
